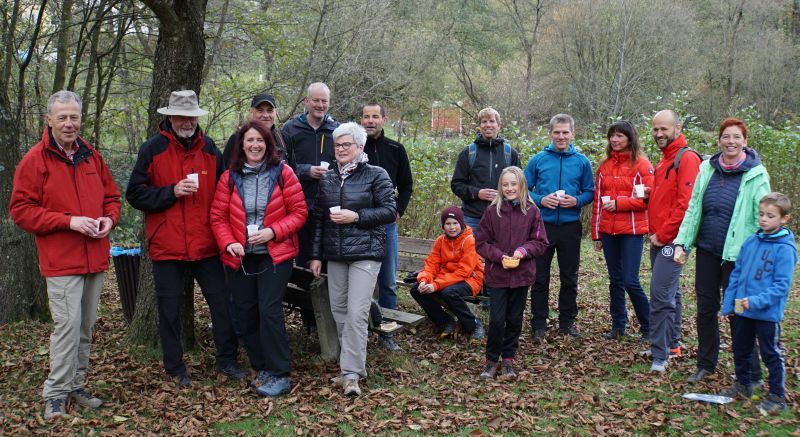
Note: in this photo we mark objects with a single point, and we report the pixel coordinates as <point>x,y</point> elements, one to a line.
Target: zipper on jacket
<point>75,186</point>
<point>560,171</point>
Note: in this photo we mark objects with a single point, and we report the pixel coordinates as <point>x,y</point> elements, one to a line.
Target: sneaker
<point>276,386</point>
<point>351,387</point>
<point>448,330</point>
<point>337,380</point>
<point>614,334</point>
<point>85,399</point>
<point>389,344</point>
<point>262,377</point>
<point>490,370</point>
<point>478,333</point>
<point>647,353</point>
<point>737,390</point>
<point>538,336</point>
<point>658,367</point>
<point>507,369</point>
<point>755,385</point>
<point>182,380</point>
<point>571,331</point>
<point>772,405</point>
<point>699,375</point>
<point>55,408</point>
<point>675,352</point>
<point>232,371</point>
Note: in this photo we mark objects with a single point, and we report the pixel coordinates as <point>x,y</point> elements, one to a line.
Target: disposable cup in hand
<point>606,199</point>
<point>336,208</point>
<point>252,229</point>
<point>560,193</point>
<point>324,164</point>
<point>639,188</point>
<point>738,306</point>
<point>194,177</point>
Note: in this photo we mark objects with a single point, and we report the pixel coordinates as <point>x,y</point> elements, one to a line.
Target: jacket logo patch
<point>667,251</point>
<point>204,172</point>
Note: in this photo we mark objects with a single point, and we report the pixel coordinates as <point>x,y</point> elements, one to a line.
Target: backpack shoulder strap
<point>507,153</point>
<point>473,151</point>
<point>677,161</point>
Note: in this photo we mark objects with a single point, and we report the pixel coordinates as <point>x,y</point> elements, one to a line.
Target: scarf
<point>727,168</point>
<point>347,169</point>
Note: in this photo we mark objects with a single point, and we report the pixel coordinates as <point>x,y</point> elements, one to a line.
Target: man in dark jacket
<point>173,182</point>
<point>262,108</point>
<point>308,144</point>
<point>478,168</point>
<point>392,157</point>
<point>64,194</point>
<point>560,183</point>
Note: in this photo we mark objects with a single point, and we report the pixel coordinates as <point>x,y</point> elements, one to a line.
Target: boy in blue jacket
<point>756,297</point>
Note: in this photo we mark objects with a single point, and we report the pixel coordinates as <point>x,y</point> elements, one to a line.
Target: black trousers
<point>168,278</point>
<point>449,297</point>
<point>505,322</point>
<point>565,243</point>
<point>258,300</point>
<point>711,280</point>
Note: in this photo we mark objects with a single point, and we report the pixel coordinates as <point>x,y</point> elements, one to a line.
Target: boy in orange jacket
<point>453,270</point>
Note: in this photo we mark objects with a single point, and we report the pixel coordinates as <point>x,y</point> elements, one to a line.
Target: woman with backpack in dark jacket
<point>257,210</point>
<point>354,202</point>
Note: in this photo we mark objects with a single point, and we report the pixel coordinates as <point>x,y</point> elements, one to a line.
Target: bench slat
<point>414,245</point>
<point>401,317</point>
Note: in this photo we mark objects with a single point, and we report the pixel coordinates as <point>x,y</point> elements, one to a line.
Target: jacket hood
<point>751,160</point>
<point>483,142</point>
<point>327,122</point>
<point>552,149</point>
<point>783,236</point>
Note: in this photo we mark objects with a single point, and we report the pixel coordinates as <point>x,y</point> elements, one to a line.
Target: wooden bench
<point>306,291</point>
<point>411,258</point>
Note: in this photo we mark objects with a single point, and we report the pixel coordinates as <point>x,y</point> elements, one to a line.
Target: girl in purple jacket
<point>510,236</point>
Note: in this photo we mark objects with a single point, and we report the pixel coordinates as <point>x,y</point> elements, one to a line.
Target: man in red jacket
<point>64,194</point>
<point>173,182</point>
<point>672,189</point>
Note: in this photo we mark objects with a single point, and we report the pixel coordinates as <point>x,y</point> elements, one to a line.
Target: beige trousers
<point>73,306</point>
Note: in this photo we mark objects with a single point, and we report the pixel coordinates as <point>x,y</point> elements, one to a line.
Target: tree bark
<point>63,44</point>
<point>178,65</point>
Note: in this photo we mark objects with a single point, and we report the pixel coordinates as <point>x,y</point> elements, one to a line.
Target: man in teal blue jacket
<point>560,182</point>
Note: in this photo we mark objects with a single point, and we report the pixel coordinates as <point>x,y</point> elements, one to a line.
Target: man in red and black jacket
<point>64,194</point>
<point>173,182</point>
<point>672,189</point>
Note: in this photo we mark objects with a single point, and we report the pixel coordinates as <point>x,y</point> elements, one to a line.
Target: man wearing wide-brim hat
<point>173,182</point>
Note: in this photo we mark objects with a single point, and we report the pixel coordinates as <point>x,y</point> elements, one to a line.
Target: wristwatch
<point>356,219</point>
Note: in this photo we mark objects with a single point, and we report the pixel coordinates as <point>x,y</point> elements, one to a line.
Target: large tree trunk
<point>178,65</point>
<point>63,45</point>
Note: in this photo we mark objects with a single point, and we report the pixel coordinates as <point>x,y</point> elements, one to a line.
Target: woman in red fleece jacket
<point>619,224</point>
<point>258,209</point>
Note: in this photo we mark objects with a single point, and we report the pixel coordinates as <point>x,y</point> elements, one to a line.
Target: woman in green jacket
<point>722,213</point>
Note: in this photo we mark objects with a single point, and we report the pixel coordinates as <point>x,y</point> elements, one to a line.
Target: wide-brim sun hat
<point>183,103</point>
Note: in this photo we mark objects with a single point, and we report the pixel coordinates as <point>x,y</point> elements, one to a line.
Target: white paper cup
<point>324,164</point>
<point>639,188</point>
<point>335,208</point>
<point>606,199</point>
<point>560,193</point>
<point>252,229</point>
<point>194,177</point>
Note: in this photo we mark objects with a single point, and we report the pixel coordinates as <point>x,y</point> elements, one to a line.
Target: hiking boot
<point>507,369</point>
<point>658,366</point>
<point>85,399</point>
<point>538,336</point>
<point>772,405</point>
<point>571,331</point>
<point>388,343</point>
<point>490,370</point>
<point>614,334</point>
<point>351,387</point>
<point>55,408</point>
<point>262,377</point>
<point>181,380</point>
<point>232,371</point>
<point>699,375</point>
<point>737,390</point>
<point>275,386</point>
<point>478,333</point>
<point>448,330</point>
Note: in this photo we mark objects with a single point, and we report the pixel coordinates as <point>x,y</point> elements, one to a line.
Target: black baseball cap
<point>261,98</point>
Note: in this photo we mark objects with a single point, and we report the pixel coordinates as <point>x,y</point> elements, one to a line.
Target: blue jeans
<point>623,255</point>
<point>473,223</point>
<point>387,278</point>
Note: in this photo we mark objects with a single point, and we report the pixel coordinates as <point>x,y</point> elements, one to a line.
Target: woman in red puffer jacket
<point>619,224</point>
<point>258,209</point>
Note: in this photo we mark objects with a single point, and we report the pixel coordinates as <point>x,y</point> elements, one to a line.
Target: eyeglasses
<point>343,146</point>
